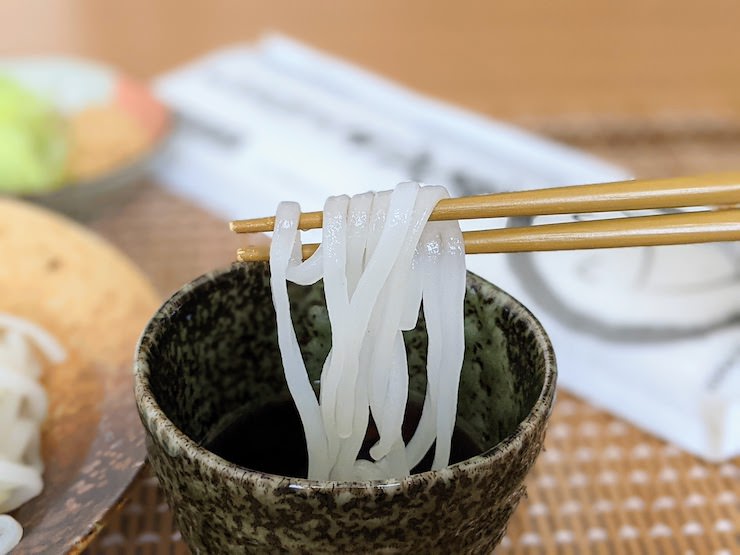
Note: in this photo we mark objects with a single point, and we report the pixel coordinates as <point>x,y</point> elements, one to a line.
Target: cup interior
<point>217,357</point>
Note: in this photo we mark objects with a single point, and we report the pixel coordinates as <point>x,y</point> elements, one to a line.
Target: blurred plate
<point>117,126</point>
<point>95,302</point>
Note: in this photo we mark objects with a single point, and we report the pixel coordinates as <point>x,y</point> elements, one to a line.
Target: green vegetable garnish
<point>33,142</point>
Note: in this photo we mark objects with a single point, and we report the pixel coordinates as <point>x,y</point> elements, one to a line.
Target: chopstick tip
<point>251,254</point>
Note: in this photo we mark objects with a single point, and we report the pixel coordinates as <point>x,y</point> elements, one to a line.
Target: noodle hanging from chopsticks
<point>380,260</point>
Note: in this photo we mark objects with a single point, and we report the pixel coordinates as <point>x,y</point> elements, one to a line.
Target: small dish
<point>95,302</point>
<point>116,127</point>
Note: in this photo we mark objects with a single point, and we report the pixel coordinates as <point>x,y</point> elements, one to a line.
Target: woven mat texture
<point>601,486</point>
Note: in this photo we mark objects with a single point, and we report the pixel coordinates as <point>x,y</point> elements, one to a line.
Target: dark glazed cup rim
<point>177,443</point>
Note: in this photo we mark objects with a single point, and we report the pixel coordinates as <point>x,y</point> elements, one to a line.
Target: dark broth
<point>271,440</point>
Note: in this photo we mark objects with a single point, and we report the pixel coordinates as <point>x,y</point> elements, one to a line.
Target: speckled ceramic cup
<point>211,351</point>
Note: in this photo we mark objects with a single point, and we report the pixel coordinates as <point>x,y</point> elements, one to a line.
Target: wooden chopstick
<point>702,190</point>
<point>642,231</point>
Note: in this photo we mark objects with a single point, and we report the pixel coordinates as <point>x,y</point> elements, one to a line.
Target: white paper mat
<point>651,334</point>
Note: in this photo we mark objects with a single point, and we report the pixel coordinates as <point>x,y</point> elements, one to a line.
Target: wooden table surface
<point>507,58</point>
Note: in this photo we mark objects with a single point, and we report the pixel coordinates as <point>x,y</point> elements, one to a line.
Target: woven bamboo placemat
<point>601,486</point>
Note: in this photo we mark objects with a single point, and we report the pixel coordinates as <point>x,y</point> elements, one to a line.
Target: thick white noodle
<point>16,356</point>
<point>308,272</point>
<point>430,251</point>
<point>452,263</point>
<point>360,212</point>
<point>378,262</point>
<point>346,465</point>
<point>412,296</point>
<point>49,346</point>
<point>19,483</point>
<point>378,212</point>
<point>443,260</point>
<point>344,469</point>
<point>389,388</point>
<point>373,296</point>
<point>281,251</point>
<point>334,244</point>
<point>20,386</point>
<point>390,420</point>
<point>369,287</point>
<point>360,207</point>
<point>10,407</point>
<point>23,407</point>
<point>10,534</point>
<point>20,440</point>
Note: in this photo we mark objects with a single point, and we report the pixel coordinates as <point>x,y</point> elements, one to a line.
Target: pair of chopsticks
<point>717,194</point>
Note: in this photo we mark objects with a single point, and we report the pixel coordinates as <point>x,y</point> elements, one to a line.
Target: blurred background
<point>202,112</point>
<point>507,58</point>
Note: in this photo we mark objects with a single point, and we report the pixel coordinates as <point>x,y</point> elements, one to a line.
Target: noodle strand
<point>381,263</point>
<point>23,408</point>
<point>281,250</point>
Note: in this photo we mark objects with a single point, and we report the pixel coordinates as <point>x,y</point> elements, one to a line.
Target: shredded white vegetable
<point>23,407</point>
<point>380,261</point>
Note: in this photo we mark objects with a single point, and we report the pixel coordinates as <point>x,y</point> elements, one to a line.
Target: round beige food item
<point>72,282</point>
<point>95,302</point>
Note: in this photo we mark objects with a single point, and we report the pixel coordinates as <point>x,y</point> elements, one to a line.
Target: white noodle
<point>379,210</point>
<point>394,396</point>
<point>360,207</point>
<point>23,407</point>
<point>49,346</point>
<point>334,241</point>
<point>10,534</point>
<point>378,294</point>
<point>359,215</point>
<point>19,483</point>
<point>429,257</point>
<point>379,260</point>
<point>308,272</point>
<point>281,251</point>
<point>452,262</point>
<point>389,388</point>
<point>412,297</point>
<point>21,387</point>
<point>369,287</point>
